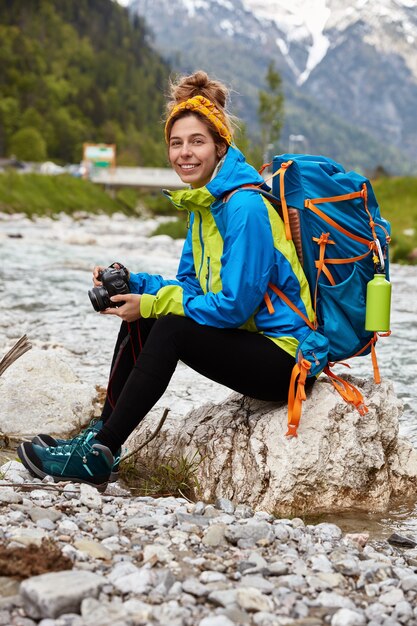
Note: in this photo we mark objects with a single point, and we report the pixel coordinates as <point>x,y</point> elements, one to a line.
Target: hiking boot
<point>81,462</point>
<point>46,441</point>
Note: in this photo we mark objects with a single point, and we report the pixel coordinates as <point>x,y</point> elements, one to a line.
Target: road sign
<point>100,155</point>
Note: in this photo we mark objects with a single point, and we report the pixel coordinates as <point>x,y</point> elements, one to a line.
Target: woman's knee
<point>172,325</point>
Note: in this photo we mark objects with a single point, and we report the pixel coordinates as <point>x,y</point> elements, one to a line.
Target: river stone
<point>339,460</point>
<point>55,593</point>
<point>93,548</point>
<point>54,400</point>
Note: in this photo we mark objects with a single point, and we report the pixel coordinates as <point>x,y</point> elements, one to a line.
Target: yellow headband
<point>205,107</point>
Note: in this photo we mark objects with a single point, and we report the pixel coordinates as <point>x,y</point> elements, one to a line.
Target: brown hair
<point>199,84</point>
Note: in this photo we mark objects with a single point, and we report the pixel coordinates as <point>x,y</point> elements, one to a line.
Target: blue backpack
<point>334,220</point>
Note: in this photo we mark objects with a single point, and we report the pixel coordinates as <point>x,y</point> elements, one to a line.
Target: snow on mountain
<point>390,24</point>
<point>349,70</point>
<point>300,21</point>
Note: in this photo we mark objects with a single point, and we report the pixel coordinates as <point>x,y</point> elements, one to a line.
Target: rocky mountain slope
<point>350,73</point>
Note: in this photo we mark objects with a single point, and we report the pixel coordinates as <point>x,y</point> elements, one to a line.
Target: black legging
<point>147,353</point>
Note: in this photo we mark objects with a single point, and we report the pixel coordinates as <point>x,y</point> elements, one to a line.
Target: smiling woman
<point>192,151</point>
<point>221,316</point>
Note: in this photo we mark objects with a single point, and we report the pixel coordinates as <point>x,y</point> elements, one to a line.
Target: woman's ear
<point>221,151</point>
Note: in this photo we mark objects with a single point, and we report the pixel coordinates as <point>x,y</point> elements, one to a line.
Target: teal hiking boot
<point>46,441</point>
<point>81,462</point>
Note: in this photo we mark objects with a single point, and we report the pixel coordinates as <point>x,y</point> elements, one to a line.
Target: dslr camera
<point>114,281</point>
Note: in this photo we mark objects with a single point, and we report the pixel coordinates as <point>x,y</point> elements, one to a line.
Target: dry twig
<point>149,439</point>
<point>22,346</point>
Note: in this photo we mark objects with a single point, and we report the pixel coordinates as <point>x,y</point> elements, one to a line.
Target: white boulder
<point>41,393</point>
<point>340,459</point>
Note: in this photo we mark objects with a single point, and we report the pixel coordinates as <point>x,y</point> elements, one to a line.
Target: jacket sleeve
<point>186,279</point>
<point>246,265</point>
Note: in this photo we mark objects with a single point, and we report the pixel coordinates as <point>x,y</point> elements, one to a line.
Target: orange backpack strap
<point>349,392</point>
<point>296,395</point>
<point>287,301</point>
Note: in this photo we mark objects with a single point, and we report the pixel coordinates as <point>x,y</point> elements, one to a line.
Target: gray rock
<point>335,600</point>
<point>392,597</point>
<point>90,497</point>
<point>211,577</point>
<point>46,524</point>
<point>243,511</point>
<point>9,496</point>
<point>321,563</point>
<point>106,529</point>
<point>345,564</point>
<point>348,617</point>
<point>225,505</point>
<point>257,582</point>
<point>283,532</point>
<point>409,583</point>
<point>403,611</point>
<point>253,600</point>
<point>224,598</point>
<point>277,569</point>
<point>327,532</point>
<point>51,595</point>
<point>26,536</point>
<point>215,535</point>
<point>376,611</point>
<point>195,588</point>
<point>216,620</point>
<point>199,508</point>
<point>252,531</point>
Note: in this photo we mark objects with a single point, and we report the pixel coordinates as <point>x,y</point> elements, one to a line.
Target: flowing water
<point>45,273</point>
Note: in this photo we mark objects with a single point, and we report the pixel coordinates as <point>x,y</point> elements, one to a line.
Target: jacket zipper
<point>208,275</point>
<point>200,235</point>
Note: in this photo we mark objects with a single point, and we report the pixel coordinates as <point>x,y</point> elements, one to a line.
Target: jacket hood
<point>234,173</point>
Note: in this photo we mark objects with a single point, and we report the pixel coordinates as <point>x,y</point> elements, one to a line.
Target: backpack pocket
<point>314,347</point>
<point>341,315</point>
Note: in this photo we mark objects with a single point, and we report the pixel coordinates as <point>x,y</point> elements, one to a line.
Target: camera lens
<point>99,298</point>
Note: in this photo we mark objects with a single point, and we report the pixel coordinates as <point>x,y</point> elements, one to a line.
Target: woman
<point>219,315</point>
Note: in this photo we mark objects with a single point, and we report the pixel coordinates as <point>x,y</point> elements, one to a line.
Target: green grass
<point>35,194</point>
<point>397,198</point>
<point>177,476</point>
<point>176,229</point>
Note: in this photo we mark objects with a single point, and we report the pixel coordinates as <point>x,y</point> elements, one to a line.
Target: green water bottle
<point>378,304</point>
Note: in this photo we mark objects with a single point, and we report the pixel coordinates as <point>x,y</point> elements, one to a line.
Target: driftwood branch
<point>22,346</point>
<point>149,439</point>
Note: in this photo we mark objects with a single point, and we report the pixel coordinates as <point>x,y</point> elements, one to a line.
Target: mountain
<point>349,71</point>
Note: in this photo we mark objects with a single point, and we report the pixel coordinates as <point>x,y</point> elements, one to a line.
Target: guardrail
<point>144,177</point>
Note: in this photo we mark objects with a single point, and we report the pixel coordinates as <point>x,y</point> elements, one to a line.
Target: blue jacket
<point>233,250</point>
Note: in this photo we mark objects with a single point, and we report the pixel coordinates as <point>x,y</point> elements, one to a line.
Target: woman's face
<point>192,151</point>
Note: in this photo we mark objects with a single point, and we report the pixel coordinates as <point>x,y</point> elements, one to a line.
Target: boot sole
<point>38,473</point>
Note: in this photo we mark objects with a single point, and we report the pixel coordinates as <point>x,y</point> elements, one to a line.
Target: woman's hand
<point>96,271</point>
<point>100,268</point>
<point>128,312</point>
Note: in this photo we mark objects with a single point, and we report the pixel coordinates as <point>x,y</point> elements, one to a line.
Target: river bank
<point>133,561</point>
<point>44,279</point>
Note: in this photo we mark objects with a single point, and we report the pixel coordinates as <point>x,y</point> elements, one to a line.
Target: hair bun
<point>198,84</point>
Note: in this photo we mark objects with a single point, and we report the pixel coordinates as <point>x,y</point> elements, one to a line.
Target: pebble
<point>158,561</point>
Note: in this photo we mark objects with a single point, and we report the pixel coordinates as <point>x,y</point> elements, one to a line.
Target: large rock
<point>338,461</point>
<point>55,593</point>
<point>40,393</point>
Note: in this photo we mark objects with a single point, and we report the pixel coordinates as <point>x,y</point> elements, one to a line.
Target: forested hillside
<point>74,72</point>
